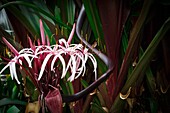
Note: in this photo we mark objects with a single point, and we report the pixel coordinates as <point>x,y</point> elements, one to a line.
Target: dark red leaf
<point>113,15</point>
<point>53,101</point>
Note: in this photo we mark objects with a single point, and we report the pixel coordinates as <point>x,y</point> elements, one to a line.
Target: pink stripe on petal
<point>42,32</point>
<point>30,41</point>
<point>10,47</point>
<point>31,44</point>
<point>71,34</point>
<point>38,42</point>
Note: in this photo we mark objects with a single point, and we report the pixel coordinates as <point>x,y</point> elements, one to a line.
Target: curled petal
<point>73,68</point>
<point>68,65</point>
<point>48,48</point>
<point>94,64</point>
<point>26,50</point>
<point>63,41</point>
<point>38,48</point>
<point>42,49</point>
<point>62,61</point>
<point>43,65</point>
<point>26,56</point>
<point>55,47</point>
<point>11,71</point>
<point>82,68</point>
<point>14,72</point>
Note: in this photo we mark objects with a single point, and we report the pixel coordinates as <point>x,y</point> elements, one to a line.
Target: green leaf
<point>153,105</point>
<point>14,92</point>
<point>95,22</point>
<point>57,13</point>
<point>84,83</point>
<point>13,109</point>
<point>151,83</point>
<point>143,62</point>
<point>36,9</point>
<point>71,11</point>
<point>17,13</point>
<point>147,56</point>
<point>69,85</point>
<point>64,88</point>
<point>132,44</point>
<point>96,108</point>
<point>8,101</point>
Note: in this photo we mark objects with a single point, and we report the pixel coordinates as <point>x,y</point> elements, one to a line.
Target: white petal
<point>68,65</point>
<point>62,61</point>
<point>26,56</point>
<point>64,65</point>
<point>48,48</point>
<point>94,64</point>
<point>43,65</point>
<point>73,68</point>
<point>26,50</point>
<point>41,52</point>
<point>14,72</point>
<point>63,41</point>
<point>93,60</point>
<point>20,62</point>
<point>11,72</point>
<point>54,59</point>
<point>82,67</point>
<point>37,49</point>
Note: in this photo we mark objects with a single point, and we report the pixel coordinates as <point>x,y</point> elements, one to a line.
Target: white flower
<point>76,56</point>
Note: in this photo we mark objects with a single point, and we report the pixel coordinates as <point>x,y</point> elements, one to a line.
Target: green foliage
<point>13,109</point>
<point>140,38</point>
<point>95,23</point>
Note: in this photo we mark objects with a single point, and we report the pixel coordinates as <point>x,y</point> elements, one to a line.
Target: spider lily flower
<point>46,64</point>
<point>45,55</point>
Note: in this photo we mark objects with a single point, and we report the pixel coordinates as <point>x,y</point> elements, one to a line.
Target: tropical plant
<point>132,33</point>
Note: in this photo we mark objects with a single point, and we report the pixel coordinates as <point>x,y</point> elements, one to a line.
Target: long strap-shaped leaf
<point>36,9</point>
<point>146,57</point>
<point>104,58</point>
<point>143,62</point>
<point>7,101</point>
